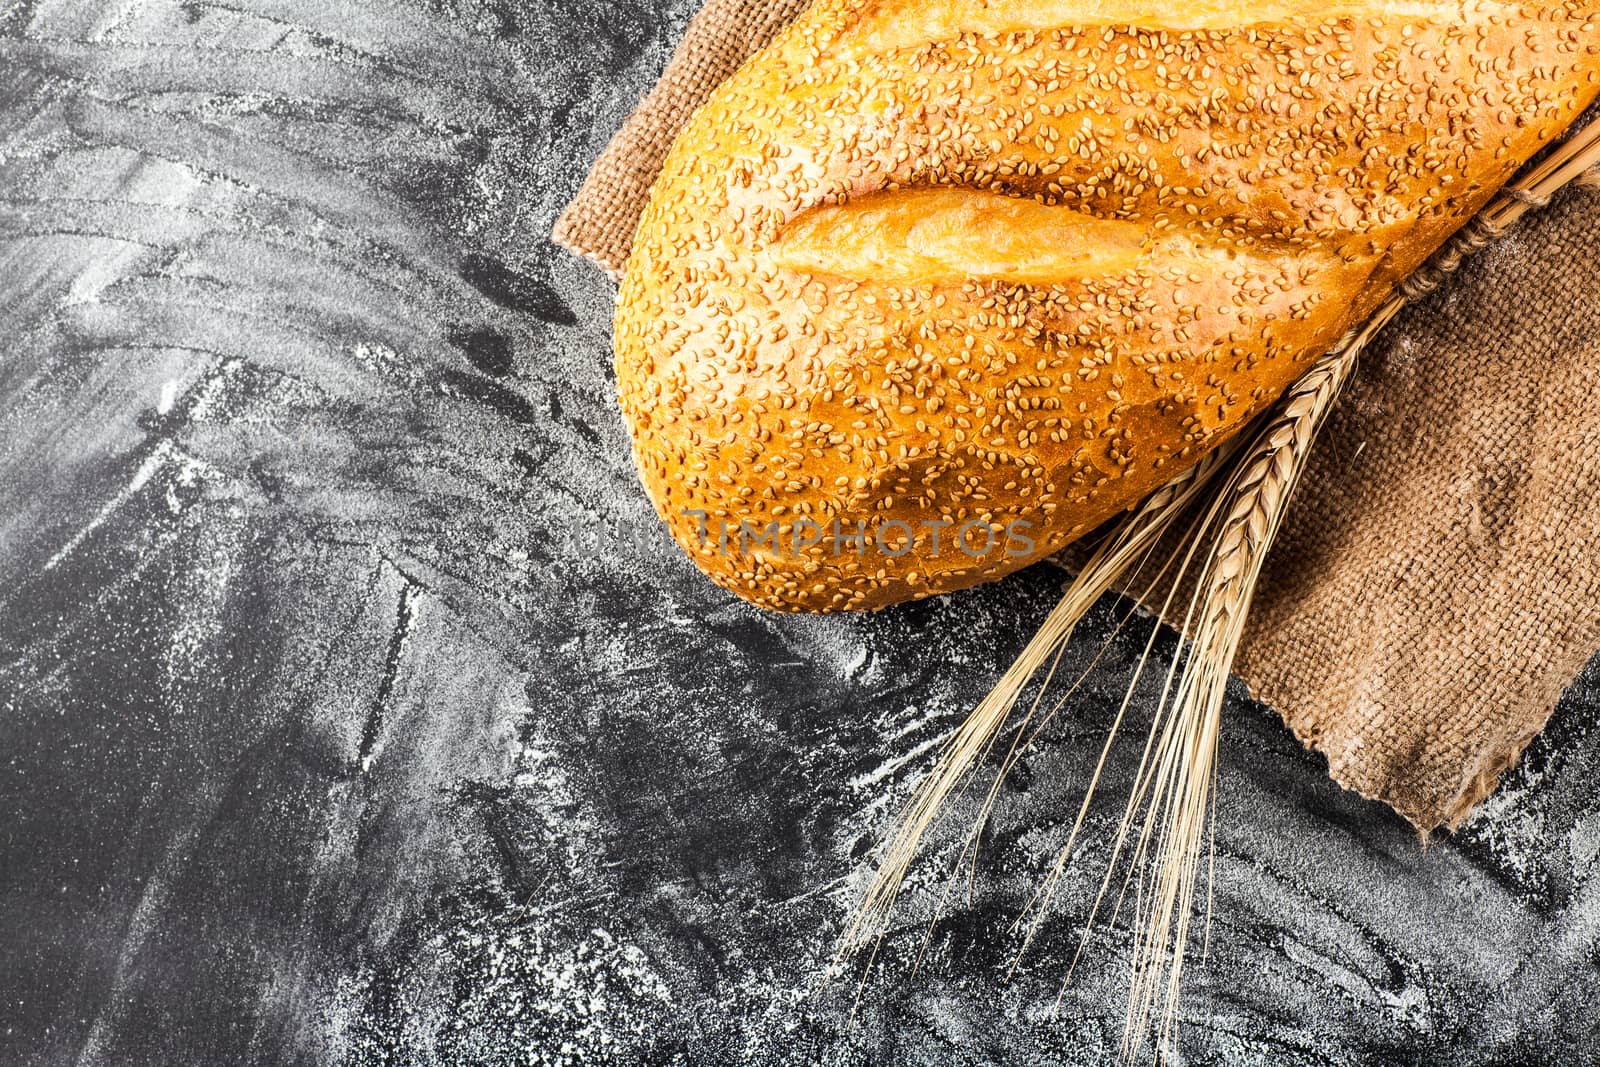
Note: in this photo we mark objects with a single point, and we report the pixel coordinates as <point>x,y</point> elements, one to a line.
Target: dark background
<point>354,710</point>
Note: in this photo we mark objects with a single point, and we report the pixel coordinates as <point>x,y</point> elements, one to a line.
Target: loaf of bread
<point>931,288</point>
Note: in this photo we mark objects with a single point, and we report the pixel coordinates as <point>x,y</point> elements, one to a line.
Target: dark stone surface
<point>355,711</point>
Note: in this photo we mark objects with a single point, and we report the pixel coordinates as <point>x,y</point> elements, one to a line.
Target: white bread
<point>1014,262</point>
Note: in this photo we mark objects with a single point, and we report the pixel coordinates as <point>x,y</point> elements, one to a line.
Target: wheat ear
<point>1175,783</point>
<point>1178,773</point>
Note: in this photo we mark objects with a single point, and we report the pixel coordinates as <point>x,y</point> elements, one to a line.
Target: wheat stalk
<point>1174,786</point>
<point>1122,549</point>
<point>1177,774</point>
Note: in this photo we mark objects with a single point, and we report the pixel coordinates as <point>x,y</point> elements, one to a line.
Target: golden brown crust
<point>893,273</point>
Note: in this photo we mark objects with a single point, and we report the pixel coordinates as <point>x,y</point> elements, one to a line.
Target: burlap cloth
<point>1437,583</point>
